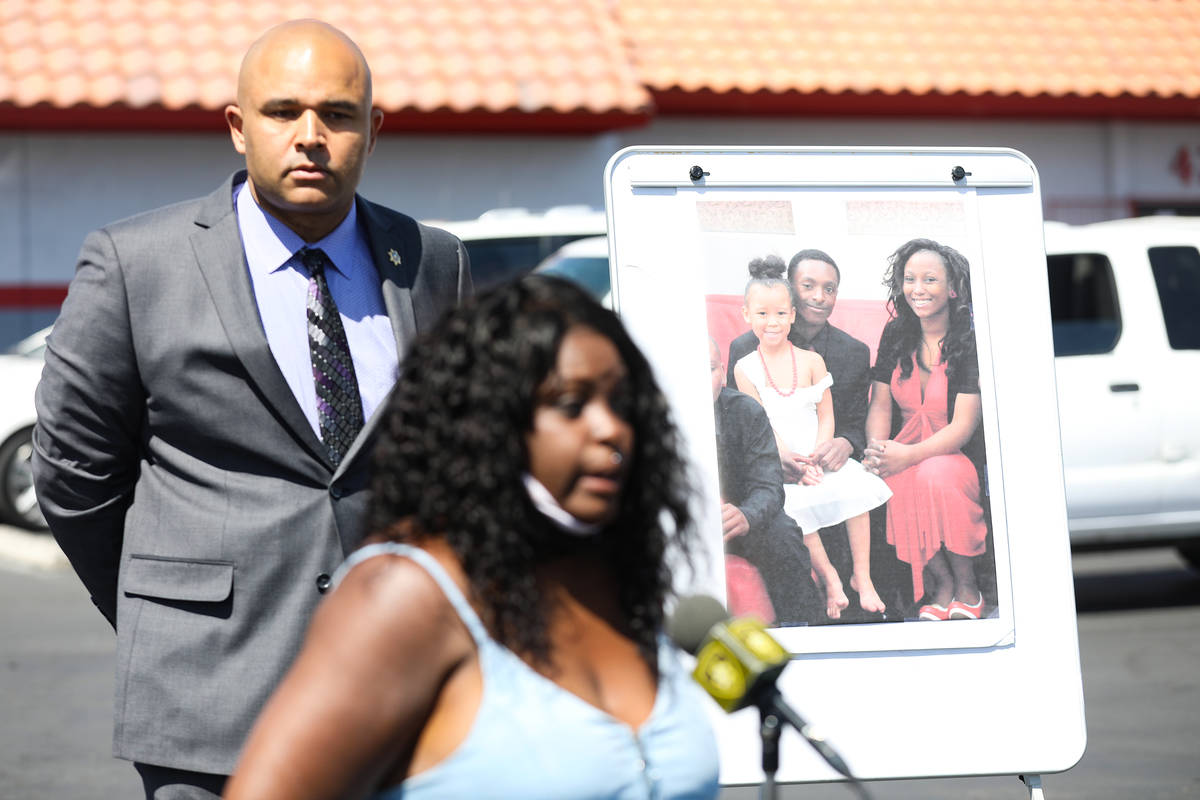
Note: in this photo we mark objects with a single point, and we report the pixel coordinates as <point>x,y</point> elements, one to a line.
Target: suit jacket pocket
<point>183,579</point>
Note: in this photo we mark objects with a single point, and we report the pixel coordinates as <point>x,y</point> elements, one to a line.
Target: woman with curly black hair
<point>928,366</point>
<point>502,635</point>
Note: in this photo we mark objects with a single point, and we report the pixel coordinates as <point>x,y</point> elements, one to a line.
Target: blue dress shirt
<point>280,283</point>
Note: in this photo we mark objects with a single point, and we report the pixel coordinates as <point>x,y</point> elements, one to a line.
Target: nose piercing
<point>616,457</point>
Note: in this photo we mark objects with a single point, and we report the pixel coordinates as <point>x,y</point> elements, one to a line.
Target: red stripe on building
<point>30,295</point>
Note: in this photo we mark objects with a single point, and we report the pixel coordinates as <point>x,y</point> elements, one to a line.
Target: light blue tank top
<point>534,740</point>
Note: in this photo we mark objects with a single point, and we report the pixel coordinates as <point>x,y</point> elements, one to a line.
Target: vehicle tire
<point>18,506</point>
<point>1191,554</point>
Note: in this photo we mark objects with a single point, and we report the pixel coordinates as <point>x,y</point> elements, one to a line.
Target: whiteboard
<point>892,697</point>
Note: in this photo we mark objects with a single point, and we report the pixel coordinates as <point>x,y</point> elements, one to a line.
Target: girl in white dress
<point>793,387</point>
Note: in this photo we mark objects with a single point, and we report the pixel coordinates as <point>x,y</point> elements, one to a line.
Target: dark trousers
<point>779,555</point>
<point>165,783</point>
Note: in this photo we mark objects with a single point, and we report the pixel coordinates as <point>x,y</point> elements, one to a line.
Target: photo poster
<point>883,681</point>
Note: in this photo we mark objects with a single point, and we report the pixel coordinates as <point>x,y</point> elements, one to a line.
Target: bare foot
<point>835,595</point>
<point>868,598</point>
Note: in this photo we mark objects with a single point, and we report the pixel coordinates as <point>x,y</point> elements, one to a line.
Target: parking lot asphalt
<point>1139,619</point>
<point>23,549</point>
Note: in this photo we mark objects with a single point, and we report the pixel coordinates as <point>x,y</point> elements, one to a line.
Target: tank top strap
<point>435,570</point>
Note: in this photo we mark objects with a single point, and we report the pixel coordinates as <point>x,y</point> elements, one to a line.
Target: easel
<point>688,238</point>
<point>767,791</point>
<point>771,727</point>
<point>1034,784</point>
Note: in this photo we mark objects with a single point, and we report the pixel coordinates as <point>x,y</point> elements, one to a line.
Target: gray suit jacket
<point>180,476</point>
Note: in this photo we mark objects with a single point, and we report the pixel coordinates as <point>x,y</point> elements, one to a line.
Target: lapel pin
<point>394,257</point>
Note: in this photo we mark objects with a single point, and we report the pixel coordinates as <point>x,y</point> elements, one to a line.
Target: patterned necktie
<point>339,408</point>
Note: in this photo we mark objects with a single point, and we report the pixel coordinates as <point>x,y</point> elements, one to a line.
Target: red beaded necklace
<point>771,381</point>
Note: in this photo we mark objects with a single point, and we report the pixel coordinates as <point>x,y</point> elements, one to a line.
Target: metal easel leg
<point>1034,784</point>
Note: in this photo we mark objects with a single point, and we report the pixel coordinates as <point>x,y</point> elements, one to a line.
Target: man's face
<point>715,369</point>
<point>816,285</point>
<point>304,122</point>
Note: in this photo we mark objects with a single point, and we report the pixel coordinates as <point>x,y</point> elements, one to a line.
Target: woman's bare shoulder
<point>390,602</point>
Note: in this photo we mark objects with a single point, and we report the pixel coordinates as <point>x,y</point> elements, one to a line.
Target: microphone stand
<point>773,713</point>
<point>769,729</point>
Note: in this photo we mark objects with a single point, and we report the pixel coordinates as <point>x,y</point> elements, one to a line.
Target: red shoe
<point>934,612</point>
<point>960,610</point>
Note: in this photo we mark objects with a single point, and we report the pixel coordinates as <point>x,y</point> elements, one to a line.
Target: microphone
<point>738,663</point>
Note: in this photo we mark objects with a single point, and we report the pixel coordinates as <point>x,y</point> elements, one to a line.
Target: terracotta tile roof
<point>605,63</point>
<point>1028,48</point>
<point>525,56</point>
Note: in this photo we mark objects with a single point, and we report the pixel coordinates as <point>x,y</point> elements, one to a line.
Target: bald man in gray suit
<point>200,482</point>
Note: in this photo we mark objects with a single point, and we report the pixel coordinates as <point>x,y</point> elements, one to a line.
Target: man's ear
<point>376,124</point>
<point>233,118</point>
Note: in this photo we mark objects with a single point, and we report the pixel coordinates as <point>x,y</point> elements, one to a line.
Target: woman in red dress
<point>927,369</point>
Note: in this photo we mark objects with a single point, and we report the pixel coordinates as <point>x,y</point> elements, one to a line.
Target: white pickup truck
<point>1125,302</point>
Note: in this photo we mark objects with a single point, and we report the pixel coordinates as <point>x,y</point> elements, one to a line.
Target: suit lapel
<point>217,244</point>
<point>395,250</point>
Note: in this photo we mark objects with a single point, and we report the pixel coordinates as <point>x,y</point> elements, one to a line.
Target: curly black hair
<point>768,271</point>
<point>452,451</point>
<point>958,345</point>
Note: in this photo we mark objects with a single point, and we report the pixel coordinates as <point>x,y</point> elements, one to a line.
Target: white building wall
<point>54,188</point>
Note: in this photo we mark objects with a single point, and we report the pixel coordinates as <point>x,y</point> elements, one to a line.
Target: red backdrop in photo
<point>862,319</point>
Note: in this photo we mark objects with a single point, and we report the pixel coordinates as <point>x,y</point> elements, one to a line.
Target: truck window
<point>1085,316</point>
<point>1177,276</point>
